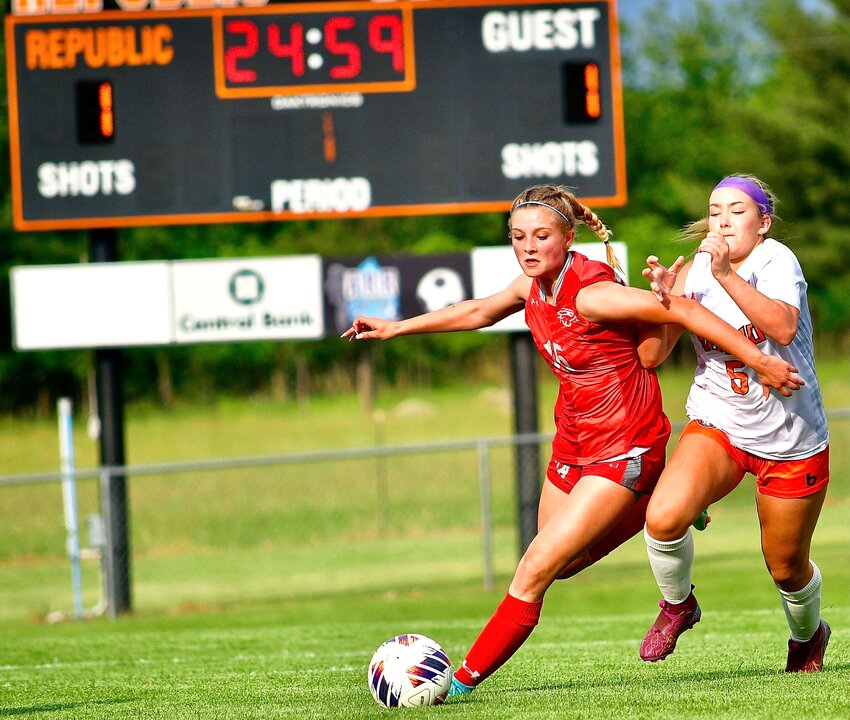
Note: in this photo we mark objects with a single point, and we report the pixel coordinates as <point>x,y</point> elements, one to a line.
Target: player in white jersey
<point>755,284</point>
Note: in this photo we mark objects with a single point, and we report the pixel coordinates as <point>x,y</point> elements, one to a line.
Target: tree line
<point>757,86</point>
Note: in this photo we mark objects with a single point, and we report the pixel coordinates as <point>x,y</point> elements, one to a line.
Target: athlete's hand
<point>775,373</point>
<point>662,279</point>
<point>371,328</point>
<point>718,247</point>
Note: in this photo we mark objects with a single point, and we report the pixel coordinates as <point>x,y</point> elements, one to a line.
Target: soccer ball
<point>410,670</point>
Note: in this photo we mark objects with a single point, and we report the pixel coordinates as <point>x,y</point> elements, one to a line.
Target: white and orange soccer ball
<point>410,670</point>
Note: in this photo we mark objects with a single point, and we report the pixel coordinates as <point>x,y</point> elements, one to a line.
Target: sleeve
<point>782,279</point>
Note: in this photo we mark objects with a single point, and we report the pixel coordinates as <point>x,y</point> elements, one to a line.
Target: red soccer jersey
<point>608,403</point>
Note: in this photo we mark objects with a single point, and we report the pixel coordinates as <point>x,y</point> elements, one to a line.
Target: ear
<point>569,236</point>
<point>766,222</point>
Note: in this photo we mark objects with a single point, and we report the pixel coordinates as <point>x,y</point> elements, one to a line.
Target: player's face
<point>539,241</point>
<point>734,215</point>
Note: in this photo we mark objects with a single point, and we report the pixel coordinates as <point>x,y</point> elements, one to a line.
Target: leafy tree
<point>796,125</point>
<point>750,86</point>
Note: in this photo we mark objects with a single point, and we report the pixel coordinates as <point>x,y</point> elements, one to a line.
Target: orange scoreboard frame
<point>311,110</point>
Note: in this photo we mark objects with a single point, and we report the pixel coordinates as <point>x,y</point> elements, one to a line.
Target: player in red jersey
<point>610,428</point>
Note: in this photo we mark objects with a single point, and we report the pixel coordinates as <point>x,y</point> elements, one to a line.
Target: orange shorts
<point>639,474</point>
<point>777,478</point>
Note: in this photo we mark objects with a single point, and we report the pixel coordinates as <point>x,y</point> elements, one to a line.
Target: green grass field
<point>263,593</point>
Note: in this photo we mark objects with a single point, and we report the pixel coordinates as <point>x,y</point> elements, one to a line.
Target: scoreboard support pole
<point>524,379</point>
<point>113,486</point>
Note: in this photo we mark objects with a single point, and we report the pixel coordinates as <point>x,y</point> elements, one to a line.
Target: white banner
<point>91,305</point>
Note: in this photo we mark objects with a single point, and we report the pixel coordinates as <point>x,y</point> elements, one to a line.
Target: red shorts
<point>777,478</point>
<point>639,474</point>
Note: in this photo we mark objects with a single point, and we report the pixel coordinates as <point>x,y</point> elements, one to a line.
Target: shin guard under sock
<point>671,564</point>
<point>501,637</point>
<point>802,607</point>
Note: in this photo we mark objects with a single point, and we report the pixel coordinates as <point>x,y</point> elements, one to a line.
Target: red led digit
<point>104,101</point>
<point>387,36</point>
<point>247,50</point>
<point>344,48</point>
<point>294,49</point>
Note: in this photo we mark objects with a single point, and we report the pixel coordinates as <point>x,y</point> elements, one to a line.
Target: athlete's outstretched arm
<point>466,315</point>
<point>610,302</point>
<point>656,342</point>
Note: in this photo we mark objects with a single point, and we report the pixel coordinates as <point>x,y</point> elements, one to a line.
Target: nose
<point>725,219</point>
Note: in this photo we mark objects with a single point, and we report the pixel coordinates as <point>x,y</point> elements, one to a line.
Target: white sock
<point>802,607</point>
<point>671,564</point>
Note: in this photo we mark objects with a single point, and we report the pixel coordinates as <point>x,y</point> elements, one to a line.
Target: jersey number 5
<point>559,361</point>
<point>740,380</point>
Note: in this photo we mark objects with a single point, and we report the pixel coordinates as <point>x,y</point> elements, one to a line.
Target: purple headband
<point>750,188</point>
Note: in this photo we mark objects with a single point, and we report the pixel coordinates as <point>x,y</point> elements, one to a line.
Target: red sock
<point>501,637</point>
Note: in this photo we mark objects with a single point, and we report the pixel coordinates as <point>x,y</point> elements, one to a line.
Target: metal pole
<point>113,490</point>
<point>69,499</point>
<point>486,512</point>
<point>524,378</point>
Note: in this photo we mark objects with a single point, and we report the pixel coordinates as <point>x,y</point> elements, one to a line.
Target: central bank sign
<point>232,300</point>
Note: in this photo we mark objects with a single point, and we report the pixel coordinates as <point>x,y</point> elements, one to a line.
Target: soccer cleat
<point>671,622</point>
<point>458,688</point>
<point>702,521</point>
<point>808,656</point>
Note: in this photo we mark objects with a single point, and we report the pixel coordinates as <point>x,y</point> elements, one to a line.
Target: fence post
<point>486,512</point>
<point>69,499</point>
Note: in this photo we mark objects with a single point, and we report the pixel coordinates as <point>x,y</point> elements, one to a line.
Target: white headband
<point>569,222</point>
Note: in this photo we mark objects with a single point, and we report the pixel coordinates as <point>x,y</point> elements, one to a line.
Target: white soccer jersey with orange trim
<point>727,394</point>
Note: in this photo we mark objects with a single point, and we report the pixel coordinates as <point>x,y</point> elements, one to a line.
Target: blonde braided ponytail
<point>592,221</point>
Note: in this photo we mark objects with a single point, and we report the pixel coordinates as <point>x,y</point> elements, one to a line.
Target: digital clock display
<point>284,52</point>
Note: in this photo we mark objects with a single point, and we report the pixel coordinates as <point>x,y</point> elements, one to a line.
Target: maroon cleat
<point>808,656</point>
<point>671,622</point>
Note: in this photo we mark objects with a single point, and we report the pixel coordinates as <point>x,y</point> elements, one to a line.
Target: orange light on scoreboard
<point>107,118</point>
<point>95,112</point>
<point>582,93</point>
<point>592,103</point>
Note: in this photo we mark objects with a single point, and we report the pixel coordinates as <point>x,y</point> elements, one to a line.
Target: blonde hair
<point>695,231</point>
<point>569,210</point>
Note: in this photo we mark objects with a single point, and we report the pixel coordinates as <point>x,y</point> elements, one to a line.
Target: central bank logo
<point>247,287</point>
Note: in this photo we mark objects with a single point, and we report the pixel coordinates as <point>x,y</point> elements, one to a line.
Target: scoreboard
<point>310,110</point>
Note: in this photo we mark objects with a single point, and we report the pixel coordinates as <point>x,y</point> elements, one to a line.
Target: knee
<point>533,577</point>
<point>789,573</point>
<point>664,522</point>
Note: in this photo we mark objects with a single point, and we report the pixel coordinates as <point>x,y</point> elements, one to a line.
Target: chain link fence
<point>259,529</point>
